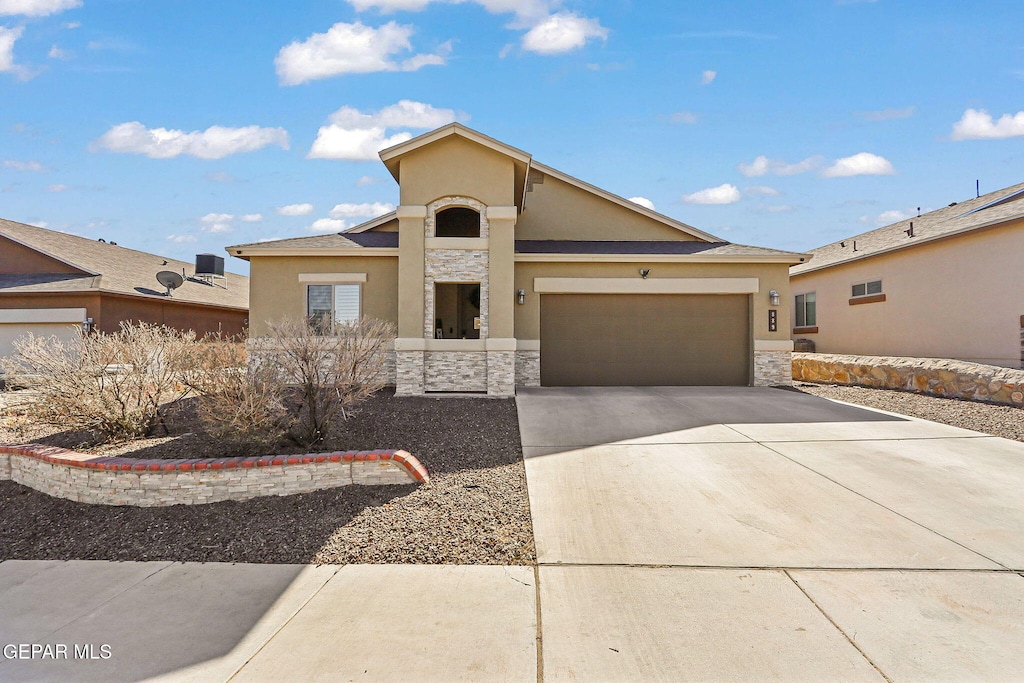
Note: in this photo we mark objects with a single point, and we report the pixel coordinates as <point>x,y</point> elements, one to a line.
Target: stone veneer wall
<point>151,483</point>
<point>501,373</point>
<point>527,368</point>
<point>773,368</point>
<point>455,265</point>
<point>455,370</point>
<point>935,376</point>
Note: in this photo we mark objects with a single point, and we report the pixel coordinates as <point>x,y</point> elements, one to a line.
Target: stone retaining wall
<point>935,376</point>
<point>150,483</point>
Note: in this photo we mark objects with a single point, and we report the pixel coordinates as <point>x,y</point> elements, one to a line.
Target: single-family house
<point>53,283</point>
<point>499,271</point>
<point>944,284</point>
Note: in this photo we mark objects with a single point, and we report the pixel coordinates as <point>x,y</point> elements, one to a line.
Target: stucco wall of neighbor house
<point>961,298</point>
<point>275,291</point>
<point>203,320</point>
<point>456,166</point>
<point>556,210</point>
<point>770,276</point>
<point>16,259</point>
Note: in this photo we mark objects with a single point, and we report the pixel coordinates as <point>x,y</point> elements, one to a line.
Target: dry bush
<point>329,372</point>
<point>115,384</point>
<point>241,404</point>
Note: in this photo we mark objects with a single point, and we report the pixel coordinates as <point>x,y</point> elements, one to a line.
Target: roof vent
<point>910,230</point>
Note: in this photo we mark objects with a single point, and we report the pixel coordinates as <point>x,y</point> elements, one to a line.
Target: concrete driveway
<point>749,533</point>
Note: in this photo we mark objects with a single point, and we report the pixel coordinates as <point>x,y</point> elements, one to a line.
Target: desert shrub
<point>116,384</point>
<point>328,371</point>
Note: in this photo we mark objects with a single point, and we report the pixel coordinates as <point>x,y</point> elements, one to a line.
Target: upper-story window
<point>869,288</point>
<point>457,221</point>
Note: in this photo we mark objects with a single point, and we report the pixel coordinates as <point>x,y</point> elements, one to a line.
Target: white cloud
<point>268,239</point>
<point>706,77</point>
<point>562,32</point>
<point>367,180</point>
<point>295,209</point>
<point>251,218</point>
<point>57,53</point>
<point>71,25</point>
<point>36,8</point>
<point>893,216</point>
<point>181,238</point>
<point>33,166</point>
<point>686,117</point>
<point>762,191</point>
<point>8,36</point>
<point>329,225</point>
<point>643,201</point>
<point>57,188</point>
<point>217,222</point>
<point>762,165</point>
<point>864,163</point>
<point>977,124</point>
<point>506,50</point>
<point>216,142</point>
<point>887,114</point>
<point>356,136</point>
<point>723,194</point>
<point>361,210</point>
<point>352,48</point>
<point>528,12</point>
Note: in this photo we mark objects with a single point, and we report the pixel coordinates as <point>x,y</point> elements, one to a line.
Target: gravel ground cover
<point>475,510</point>
<point>1004,421</point>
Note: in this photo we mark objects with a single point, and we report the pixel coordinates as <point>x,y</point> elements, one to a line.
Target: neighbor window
<point>327,305</point>
<point>457,310</point>
<point>806,312</point>
<point>457,222</point>
<point>869,288</point>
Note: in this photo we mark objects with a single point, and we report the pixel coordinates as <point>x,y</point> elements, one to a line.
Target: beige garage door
<point>644,340</point>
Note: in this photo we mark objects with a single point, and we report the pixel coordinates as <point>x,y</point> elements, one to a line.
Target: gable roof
<point>976,213</point>
<point>114,269</point>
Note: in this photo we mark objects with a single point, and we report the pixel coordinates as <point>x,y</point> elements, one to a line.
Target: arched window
<point>457,221</point>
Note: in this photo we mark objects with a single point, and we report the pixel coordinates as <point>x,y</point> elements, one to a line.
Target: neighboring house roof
<point>113,269</point>
<point>977,213</point>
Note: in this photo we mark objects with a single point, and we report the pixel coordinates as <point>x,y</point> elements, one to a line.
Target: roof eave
<point>785,258</point>
<point>245,253</point>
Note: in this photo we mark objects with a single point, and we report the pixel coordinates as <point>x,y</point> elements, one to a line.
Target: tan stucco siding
<point>275,291</point>
<point>390,226</point>
<point>770,276</point>
<point>956,298</point>
<point>556,210</point>
<point>16,259</point>
<point>456,167</point>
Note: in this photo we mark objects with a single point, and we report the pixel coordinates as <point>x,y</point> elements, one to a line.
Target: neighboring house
<point>52,283</point>
<point>947,284</point>
<point>502,272</point>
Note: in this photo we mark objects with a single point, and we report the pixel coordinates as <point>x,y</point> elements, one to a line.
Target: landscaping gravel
<point>1004,421</point>
<point>475,510</point>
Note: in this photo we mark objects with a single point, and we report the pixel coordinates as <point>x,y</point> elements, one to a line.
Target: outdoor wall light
<point>774,297</point>
<point>644,272</point>
<point>521,297</point>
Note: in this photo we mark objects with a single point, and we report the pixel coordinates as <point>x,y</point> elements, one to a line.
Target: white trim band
<point>333,278</point>
<point>773,344</point>
<point>638,285</point>
<point>22,316</point>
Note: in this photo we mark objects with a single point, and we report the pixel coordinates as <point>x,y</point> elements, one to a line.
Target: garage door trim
<point>638,285</point>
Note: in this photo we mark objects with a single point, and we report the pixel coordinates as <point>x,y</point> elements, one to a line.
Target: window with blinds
<point>327,305</point>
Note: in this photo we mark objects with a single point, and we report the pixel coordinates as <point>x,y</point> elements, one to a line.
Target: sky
<point>183,127</point>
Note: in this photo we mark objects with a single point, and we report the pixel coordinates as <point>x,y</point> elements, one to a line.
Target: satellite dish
<point>169,279</point>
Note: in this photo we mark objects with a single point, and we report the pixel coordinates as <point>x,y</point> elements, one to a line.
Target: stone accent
<point>501,373</point>
<point>773,368</point>
<point>455,265</point>
<point>430,222</point>
<point>934,376</point>
<point>455,371</point>
<point>409,373</point>
<point>104,480</point>
<point>527,368</point>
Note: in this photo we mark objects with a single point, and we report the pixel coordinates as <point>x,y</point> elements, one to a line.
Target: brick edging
<point>114,480</point>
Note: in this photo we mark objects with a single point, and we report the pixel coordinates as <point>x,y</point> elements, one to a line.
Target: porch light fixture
<point>644,272</point>
<point>774,297</point>
<point>521,297</point>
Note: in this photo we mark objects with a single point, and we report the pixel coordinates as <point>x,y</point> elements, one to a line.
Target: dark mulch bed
<point>475,510</point>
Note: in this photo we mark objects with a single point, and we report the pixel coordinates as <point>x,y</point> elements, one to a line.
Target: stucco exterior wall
<point>275,291</point>
<point>959,298</point>
<point>556,210</point>
<point>455,166</point>
<point>18,260</point>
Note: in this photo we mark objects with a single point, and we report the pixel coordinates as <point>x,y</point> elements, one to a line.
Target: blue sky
<point>183,127</point>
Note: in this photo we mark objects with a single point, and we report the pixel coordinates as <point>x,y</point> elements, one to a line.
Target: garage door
<point>644,340</point>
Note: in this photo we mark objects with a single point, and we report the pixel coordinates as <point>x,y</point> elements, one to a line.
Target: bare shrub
<point>113,384</point>
<point>329,370</point>
<point>241,404</point>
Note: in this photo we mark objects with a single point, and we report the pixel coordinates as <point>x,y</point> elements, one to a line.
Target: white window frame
<point>801,310</point>
<point>881,290</point>
<point>334,299</point>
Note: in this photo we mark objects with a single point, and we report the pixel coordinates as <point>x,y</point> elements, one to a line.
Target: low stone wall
<point>151,483</point>
<point>935,376</point>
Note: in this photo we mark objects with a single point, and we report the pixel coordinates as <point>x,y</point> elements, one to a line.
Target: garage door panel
<point>644,340</point>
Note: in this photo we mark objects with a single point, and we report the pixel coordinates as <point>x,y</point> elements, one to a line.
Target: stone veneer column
<point>773,362</point>
<point>410,345</point>
<point>501,343</point>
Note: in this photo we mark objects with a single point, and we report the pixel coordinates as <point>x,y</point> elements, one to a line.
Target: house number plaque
<point>773,320</point>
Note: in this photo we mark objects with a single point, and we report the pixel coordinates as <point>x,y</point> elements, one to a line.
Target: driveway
<point>756,533</point>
